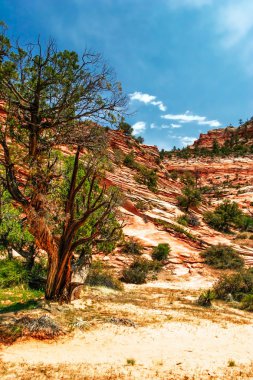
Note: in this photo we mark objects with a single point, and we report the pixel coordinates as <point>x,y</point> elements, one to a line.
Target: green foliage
<point>139,139</point>
<point>233,146</point>
<point>19,298</point>
<point>228,215</point>
<point>161,252</point>
<point>205,298</point>
<point>125,128</point>
<point>12,273</point>
<point>222,257</point>
<point>15,272</point>
<point>132,247</point>
<point>138,271</point>
<point>13,232</point>
<point>110,231</point>
<point>191,197</point>
<point>247,302</point>
<point>235,285</point>
<point>174,175</point>
<point>142,205</point>
<point>162,154</point>
<point>100,276</point>
<point>129,161</point>
<point>147,177</point>
<point>118,156</point>
<point>245,223</point>
<point>188,220</point>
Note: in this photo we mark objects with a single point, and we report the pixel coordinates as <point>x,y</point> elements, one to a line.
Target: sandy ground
<point>182,341</point>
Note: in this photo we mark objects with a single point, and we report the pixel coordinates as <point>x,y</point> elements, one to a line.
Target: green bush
<point>183,220</point>
<point>129,161</point>
<point>188,220</point>
<point>161,252</point>
<point>191,197</point>
<point>228,215</point>
<point>133,247</point>
<point>138,271</point>
<point>147,177</point>
<point>142,205</point>
<point>247,302</point>
<point>99,276</point>
<point>12,273</point>
<point>205,298</point>
<point>222,257</point>
<point>236,285</point>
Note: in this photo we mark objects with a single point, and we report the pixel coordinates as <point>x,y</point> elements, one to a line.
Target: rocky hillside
<point>150,215</point>
<point>240,135</point>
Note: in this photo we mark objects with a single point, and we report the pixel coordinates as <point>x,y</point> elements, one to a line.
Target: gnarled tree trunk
<point>58,287</point>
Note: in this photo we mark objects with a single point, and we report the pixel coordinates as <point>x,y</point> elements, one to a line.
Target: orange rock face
<point>242,134</point>
<point>156,221</point>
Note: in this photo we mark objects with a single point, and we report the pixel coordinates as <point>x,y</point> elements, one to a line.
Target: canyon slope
<point>151,217</point>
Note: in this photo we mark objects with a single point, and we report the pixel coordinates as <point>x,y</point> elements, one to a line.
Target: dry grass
<point>23,371</point>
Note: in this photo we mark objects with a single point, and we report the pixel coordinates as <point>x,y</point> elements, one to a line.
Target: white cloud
<point>153,126</point>
<point>147,99</point>
<point>175,126</point>
<point>211,123</point>
<point>139,127</point>
<point>186,140</point>
<point>188,117</point>
<point>160,105</point>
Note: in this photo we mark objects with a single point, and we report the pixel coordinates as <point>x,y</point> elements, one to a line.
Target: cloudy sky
<point>186,65</point>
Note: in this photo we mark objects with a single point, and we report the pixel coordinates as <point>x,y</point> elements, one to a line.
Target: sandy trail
<point>199,345</point>
<point>202,347</point>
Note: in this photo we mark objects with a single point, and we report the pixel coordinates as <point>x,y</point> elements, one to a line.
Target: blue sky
<point>187,65</point>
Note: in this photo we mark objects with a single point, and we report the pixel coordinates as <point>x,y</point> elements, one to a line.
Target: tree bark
<point>58,287</point>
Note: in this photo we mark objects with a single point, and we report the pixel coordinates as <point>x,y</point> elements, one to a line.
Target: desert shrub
<point>118,156</point>
<point>132,247</point>
<point>205,298</point>
<point>161,252</point>
<point>139,139</point>
<point>138,271</point>
<point>129,161</point>
<point>225,216</point>
<point>125,128</point>
<point>147,177</point>
<point>247,302</point>
<point>174,175</point>
<point>222,257</point>
<point>188,220</point>
<point>236,285</point>
<point>12,273</point>
<point>191,197</point>
<point>245,223</point>
<point>193,220</point>
<point>100,276</point>
<point>142,205</point>
<point>183,220</point>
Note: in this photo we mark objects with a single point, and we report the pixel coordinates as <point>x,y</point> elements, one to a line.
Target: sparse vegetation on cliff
<point>228,215</point>
<point>222,257</point>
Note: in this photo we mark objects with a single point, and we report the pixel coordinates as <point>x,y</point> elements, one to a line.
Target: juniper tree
<point>53,98</point>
